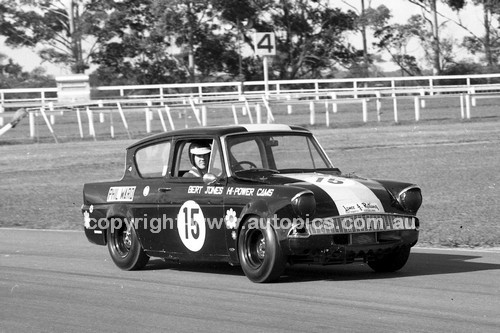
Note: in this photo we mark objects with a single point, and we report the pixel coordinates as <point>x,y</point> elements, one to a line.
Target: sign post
<point>265,46</point>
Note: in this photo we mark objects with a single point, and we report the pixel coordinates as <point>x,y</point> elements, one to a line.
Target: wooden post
<point>235,115</point>
<point>378,104</point>
<point>270,117</point>
<point>124,120</point>
<point>169,117</point>
<point>395,106</point>
<point>90,116</point>
<point>417,108</point>
<point>80,126</point>
<point>195,111</point>
<point>52,116</point>
<point>162,121</point>
<point>365,110</point>
<point>467,106</point>
<point>148,117</point>
<point>334,103</point>
<point>462,107</point>
<point>258,114</point>
<point>204,116</point>
<point>51,130</point>
<point>32,124</point>
<point>312,116</point>
<point>249,114</point>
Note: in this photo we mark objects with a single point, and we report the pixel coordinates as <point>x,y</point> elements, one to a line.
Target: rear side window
<point>152,161</point>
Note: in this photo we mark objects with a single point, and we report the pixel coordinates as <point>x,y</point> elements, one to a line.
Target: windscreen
<point>281,152</point>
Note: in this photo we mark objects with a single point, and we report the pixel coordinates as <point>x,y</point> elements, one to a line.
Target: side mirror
<point>209,178</point>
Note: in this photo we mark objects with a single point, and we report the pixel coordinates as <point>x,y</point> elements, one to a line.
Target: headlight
<point>410,199</point>
<point>304,204</point>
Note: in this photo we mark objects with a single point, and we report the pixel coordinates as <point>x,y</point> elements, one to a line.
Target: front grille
<point>360,223</point>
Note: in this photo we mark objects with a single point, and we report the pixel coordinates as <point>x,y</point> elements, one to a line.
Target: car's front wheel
<point>391,262</point>
<point>260,254</point>
<point>125,248</point>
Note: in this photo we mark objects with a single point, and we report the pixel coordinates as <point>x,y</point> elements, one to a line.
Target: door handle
<point>164,189</point>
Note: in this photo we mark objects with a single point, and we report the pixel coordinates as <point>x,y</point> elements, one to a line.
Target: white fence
<point>164,98</point>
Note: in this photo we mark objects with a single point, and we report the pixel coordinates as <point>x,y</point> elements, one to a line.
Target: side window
<point>152,161</point>
<point>196,157</point>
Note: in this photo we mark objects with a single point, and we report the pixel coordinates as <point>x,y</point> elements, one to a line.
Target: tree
<point>55,28</point>
<point>430,15</point>
<point>489,43</point>
<point>394,39</point>
<point>161,41</point>
<point>309,35</point>
<point>12,75</point>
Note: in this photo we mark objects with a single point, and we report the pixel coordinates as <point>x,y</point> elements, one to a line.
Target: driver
<point>199,156</point>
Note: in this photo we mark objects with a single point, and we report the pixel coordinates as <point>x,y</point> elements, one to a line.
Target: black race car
<point>259,196</point>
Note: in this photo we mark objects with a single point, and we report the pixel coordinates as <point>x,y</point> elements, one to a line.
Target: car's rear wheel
<point>391,262</point>
<point>125,248</point>
<point>260,254</point>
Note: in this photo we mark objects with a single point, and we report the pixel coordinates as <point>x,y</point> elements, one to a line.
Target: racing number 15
<point>191,224</point>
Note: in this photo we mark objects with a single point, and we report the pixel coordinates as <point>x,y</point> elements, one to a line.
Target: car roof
<point>220,131</point>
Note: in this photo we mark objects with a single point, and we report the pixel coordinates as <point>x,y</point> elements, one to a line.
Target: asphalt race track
<point>55,281</point>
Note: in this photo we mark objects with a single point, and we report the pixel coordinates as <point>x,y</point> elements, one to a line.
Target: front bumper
<point>348,248</point>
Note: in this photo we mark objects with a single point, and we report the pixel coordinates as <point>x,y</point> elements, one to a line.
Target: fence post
<point>148,117</point>
<point>52,116</point>
<point>51,130</point>
<point>312,116</point>
<point>90,116</point>
<point>462,110</point>
<point>422,100</point>
<point>258,115</point>
<point>417,108</point>
<point>247,108</point>
<point>395,105</point>
<point>378,104</point>
<point>122,115</point>
<point>235,115</point>
<point>204,115</point>
<point>79,118</point>
<point>2,99</point>
<point>334,103</point>
<point>169,116</point>
<point>327,117</point>
<point>269,115</point>
<point>473,94</point>
<point>195,110</point>
<point>32,124</point>
<point>162,120</point>
<point>467,106</point>
<point>365,110</point>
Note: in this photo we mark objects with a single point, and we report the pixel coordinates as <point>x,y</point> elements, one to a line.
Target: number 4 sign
<point>265,44</point>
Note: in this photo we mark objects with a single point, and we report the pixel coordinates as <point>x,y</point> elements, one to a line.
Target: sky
<point>401,11</point>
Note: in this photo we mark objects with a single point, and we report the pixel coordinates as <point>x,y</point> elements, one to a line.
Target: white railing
<point>197,96</point>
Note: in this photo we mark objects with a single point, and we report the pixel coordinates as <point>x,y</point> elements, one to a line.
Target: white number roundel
<point>191,225</point>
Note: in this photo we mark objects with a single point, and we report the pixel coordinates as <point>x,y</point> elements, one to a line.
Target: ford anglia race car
<point>259,196</point>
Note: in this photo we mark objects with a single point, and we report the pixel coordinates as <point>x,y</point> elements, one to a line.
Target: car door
<point>152,163</point>
<point>194,209</point>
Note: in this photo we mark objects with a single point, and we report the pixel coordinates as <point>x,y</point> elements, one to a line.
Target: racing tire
<point>260,253</point>
<point>391,262</point>
<point>125,248</point>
